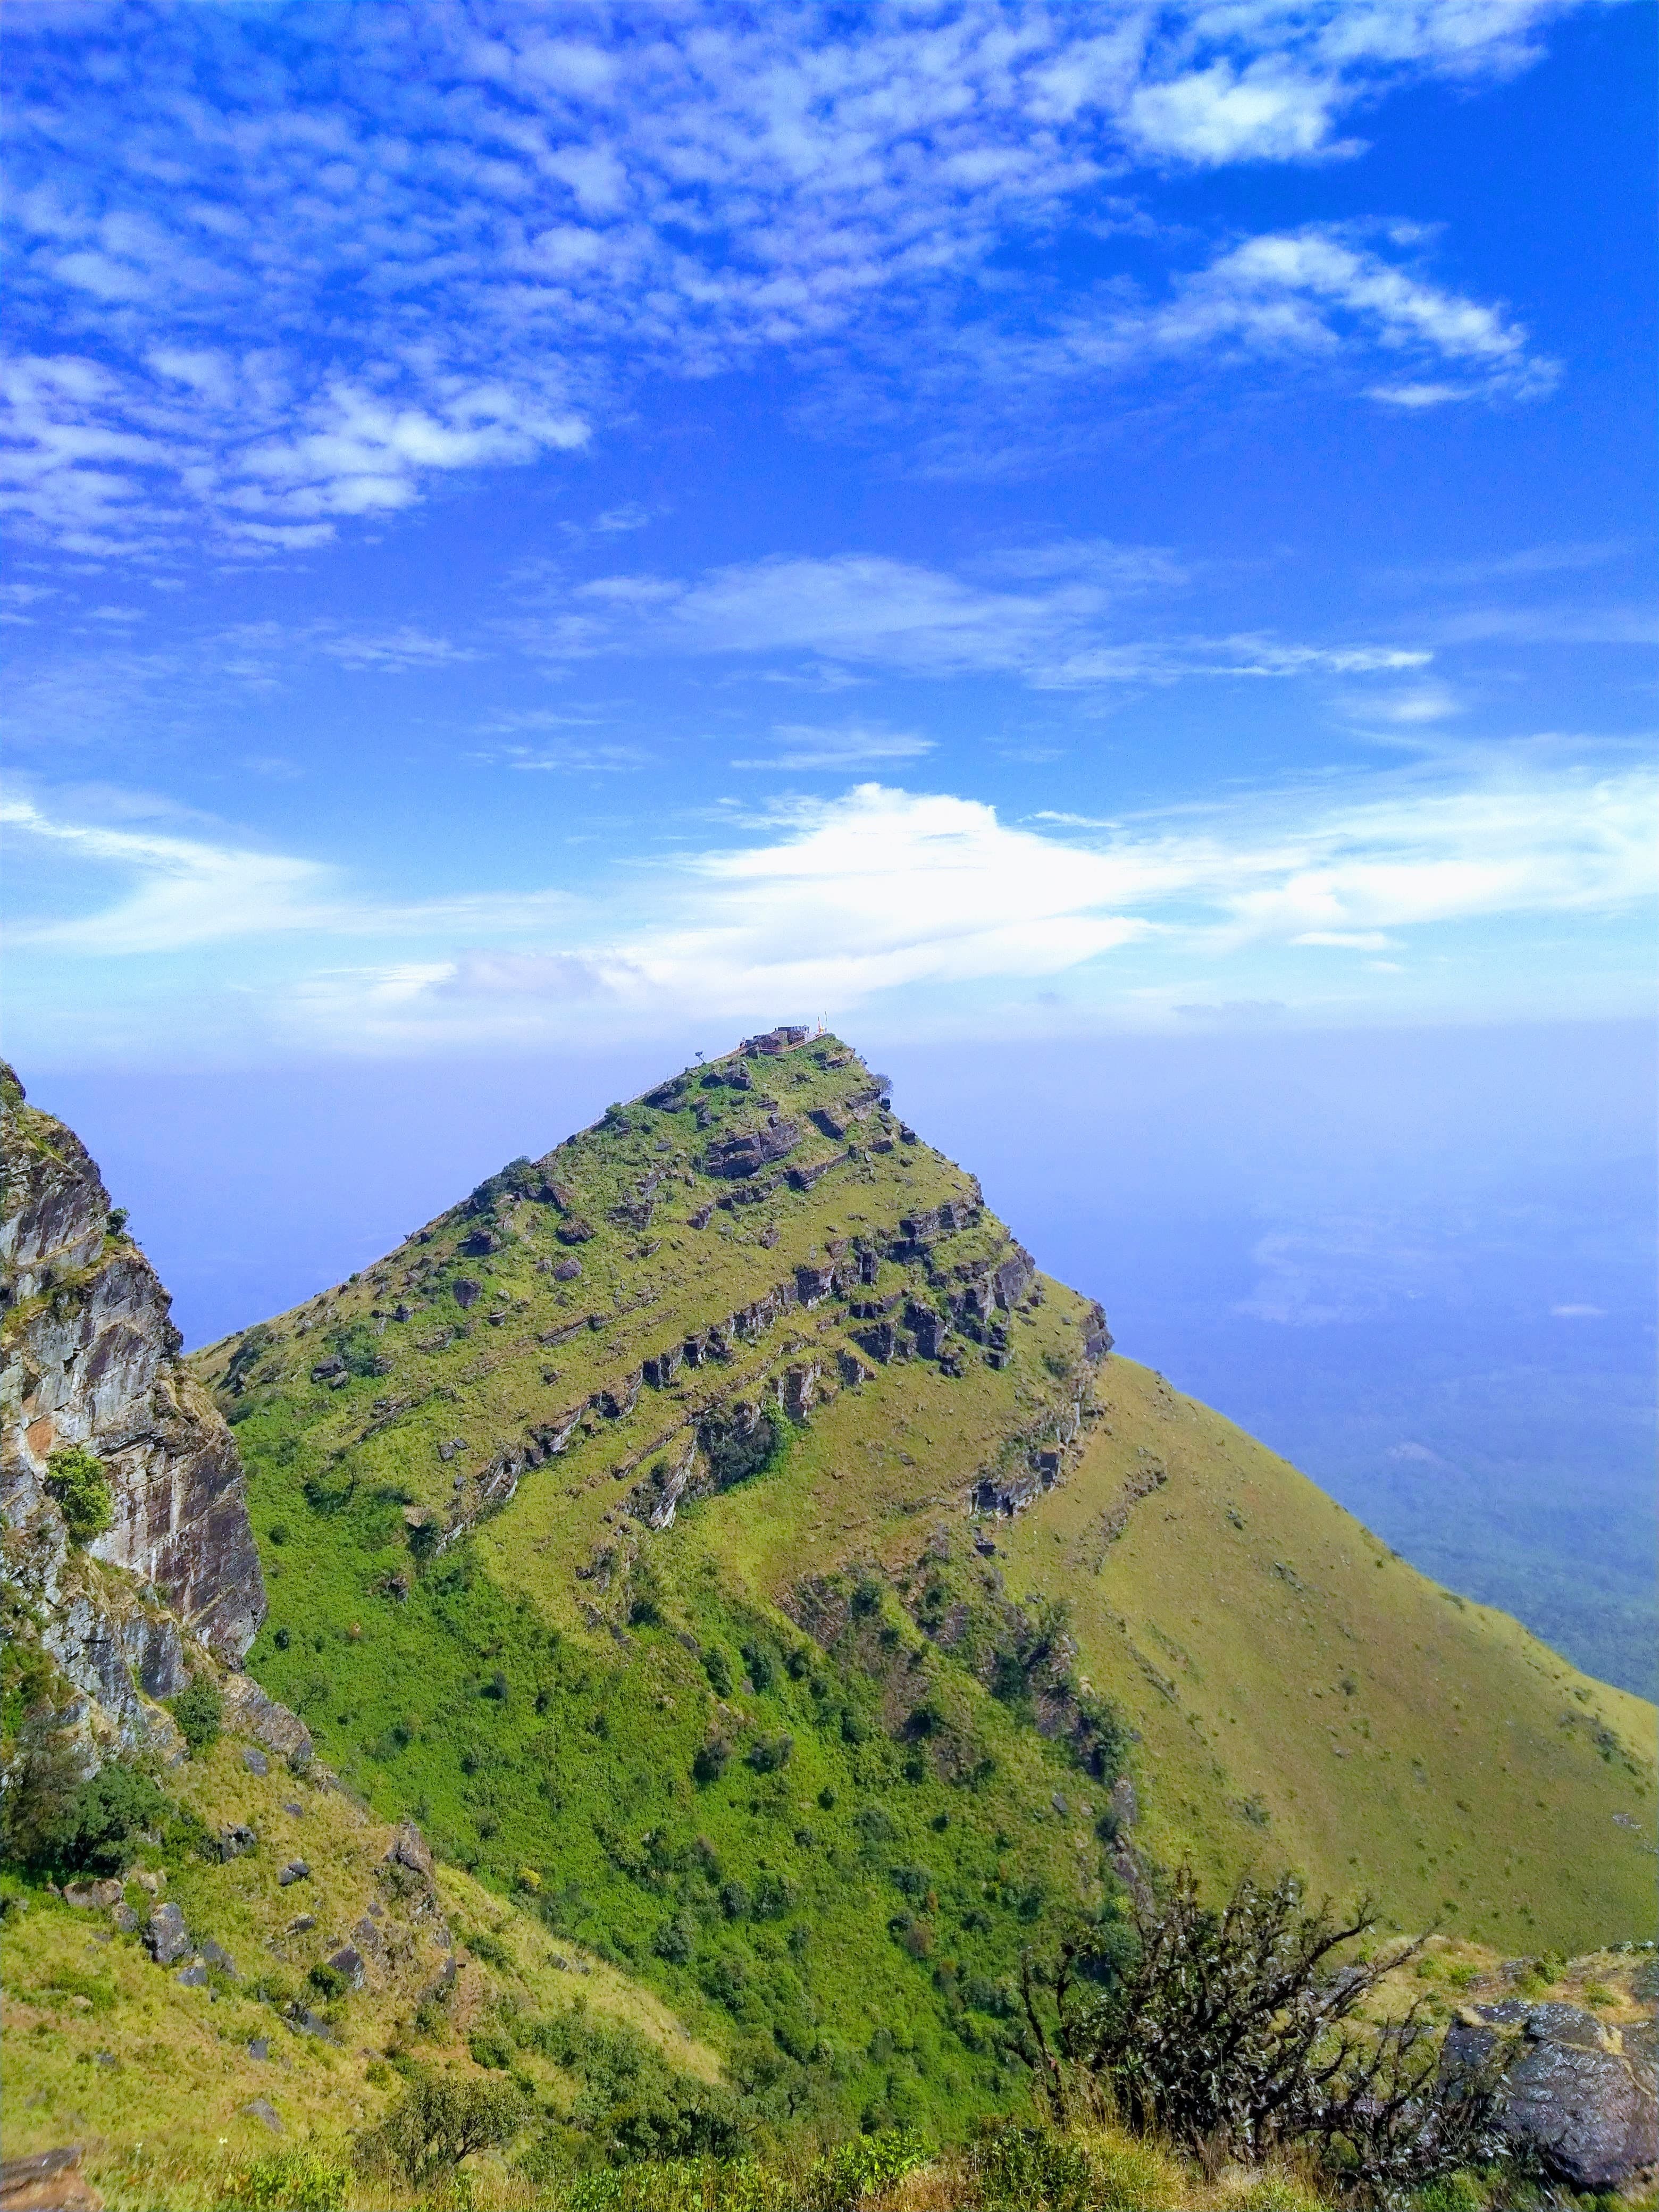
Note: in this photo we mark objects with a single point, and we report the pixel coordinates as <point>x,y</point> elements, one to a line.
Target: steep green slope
<point>1303,1695</point>
<point>643,1528</point>
<point>170,2075</point>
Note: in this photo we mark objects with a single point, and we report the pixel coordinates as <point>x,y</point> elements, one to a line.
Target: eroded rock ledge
<point>89,1360</point>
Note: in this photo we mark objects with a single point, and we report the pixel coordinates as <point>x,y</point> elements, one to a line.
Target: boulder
<point>574,1229</point>
<point>216,1955</point>
<point>348,1961</point>
<point>47,2181</point>
<point>258,2108</point>
<point>930,1329</point>
<point>255,1761</point>
<point>881,1342</point>
<point>94,1896</point>
<point>295,1870</point>
<point>662,1367</point>
<point>407,1848</point>
<point>1578,2092</point>
<point>467,1292</point>
<point>165,1936</point>
<point>249,1711</point>
<point>567,1270</point>
<point>236,1841</point>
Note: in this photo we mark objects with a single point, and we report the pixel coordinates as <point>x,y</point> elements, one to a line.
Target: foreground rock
<point>1579,2092</point>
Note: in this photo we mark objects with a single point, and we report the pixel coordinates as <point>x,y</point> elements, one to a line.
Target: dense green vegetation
<point>775,1616</point>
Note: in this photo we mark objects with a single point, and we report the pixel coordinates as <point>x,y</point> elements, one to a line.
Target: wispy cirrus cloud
<point>184,891</point>
<point>809,745</point>
<point>1059,617</point>
<point>458,235</point>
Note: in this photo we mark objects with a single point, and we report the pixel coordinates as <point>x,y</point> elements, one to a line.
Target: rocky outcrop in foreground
<point>1578,2092</point>
<point>111,1454</point>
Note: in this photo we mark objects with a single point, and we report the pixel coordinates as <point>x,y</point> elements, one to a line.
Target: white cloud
<point>805,745</point>
<point>405,647</point>
<point>281,298</point>
<point>836,901</point>
<point>1310,295</point>
<point>187,892</point>
<point>1055,631</point>
<point>1578,1313</point>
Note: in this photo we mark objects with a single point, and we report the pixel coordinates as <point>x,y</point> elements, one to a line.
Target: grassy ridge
<point>1304,1696</point>
<point>539,1693</point>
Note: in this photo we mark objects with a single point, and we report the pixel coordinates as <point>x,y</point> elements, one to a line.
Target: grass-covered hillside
<point>719,1536</point>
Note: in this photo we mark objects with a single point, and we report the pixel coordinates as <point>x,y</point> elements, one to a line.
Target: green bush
<point>200,1713</point>
<point>82,1828</point>
<point>860,2168</point>
<point>677,1939</point>
<point>711,1760</point>
<point>77,1480</point>
<point>288,2181</point>
<point>1032,2170</point>
<point>440,2120</point>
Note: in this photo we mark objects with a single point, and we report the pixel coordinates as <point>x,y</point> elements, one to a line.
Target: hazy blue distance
<point>1355,1245</point>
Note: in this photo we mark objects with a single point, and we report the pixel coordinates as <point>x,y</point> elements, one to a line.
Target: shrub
<point>710,1762</point>
<point>77,1480</point>
<point>860,2168</point>
<point>767,1754</point>
<point>288,2181</point>
<point>1231,2031</point>
<point>82,1828</point>
<point>440,2120</point>
<point>718,1668</point>
<point>733,1456</point>
<point>200,1713</point>
<point>1032,2170</point>
<point>677,1939</point>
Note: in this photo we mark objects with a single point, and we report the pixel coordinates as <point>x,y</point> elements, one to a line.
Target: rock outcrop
<point>1578,2093</point>
<point>91,1359</point>
<point>92,1389</point>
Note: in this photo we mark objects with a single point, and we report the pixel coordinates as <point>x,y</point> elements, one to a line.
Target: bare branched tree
<point>1236,2030</point>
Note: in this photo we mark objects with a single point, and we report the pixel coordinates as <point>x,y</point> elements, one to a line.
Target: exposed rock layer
<point>89,1359</point>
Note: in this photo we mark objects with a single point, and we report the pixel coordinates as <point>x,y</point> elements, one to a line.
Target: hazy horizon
<point>1416,1263</point>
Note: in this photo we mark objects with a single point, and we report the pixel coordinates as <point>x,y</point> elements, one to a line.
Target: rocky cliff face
<point>88,1361</point>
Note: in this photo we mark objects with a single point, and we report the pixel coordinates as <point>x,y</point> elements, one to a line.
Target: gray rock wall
<point>88,1356</point>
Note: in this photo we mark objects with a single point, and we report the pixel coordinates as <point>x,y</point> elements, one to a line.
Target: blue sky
<point>1106,550</point>
<point>545,530</point>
